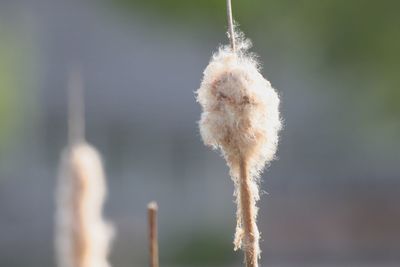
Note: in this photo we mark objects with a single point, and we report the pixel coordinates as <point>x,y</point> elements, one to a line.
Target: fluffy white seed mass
<point>82,235</point>
<point>240,117</point>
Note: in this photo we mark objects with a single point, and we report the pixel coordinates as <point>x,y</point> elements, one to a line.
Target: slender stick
<point>247,203</point>
<point>153,241</point>
<point>230,25</point>
<point>76,120</point>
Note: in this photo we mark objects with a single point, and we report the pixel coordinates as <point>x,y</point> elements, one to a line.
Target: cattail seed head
<point>240,109</point>
<point>82,235</point>
<point>240,117</point>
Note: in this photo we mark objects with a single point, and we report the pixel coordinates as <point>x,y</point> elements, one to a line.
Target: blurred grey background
<point>332,197</point>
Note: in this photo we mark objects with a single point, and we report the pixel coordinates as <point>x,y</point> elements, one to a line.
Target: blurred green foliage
<point>206,248</point>
<point>8,87</point>
<point>356,41</point>
<point>15,58</point>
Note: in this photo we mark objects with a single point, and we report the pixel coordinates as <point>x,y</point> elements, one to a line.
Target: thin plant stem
<point>247,203</point>
<point>76,119</point>
<point>230,25</point>
<point>152,209</point>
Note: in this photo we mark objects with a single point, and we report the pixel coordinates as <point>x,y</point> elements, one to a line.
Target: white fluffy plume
<point>241,118</point>
<point>82,235</point>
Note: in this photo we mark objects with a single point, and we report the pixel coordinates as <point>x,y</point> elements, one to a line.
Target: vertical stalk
<point>230,25</point>
<point>152,209</point>
<point>76,118</point>
<point>248,207</point>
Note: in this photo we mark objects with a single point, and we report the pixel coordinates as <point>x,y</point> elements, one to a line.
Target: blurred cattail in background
<point>82,235</point>
<point>241,117</point>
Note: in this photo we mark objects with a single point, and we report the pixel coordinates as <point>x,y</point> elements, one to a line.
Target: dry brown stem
<point>152,209</point>
<point>248,207</point>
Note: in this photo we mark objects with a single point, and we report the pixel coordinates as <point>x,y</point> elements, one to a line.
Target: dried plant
<point>241,118</point>
<point>82,235</point>
<point>152,209</point>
